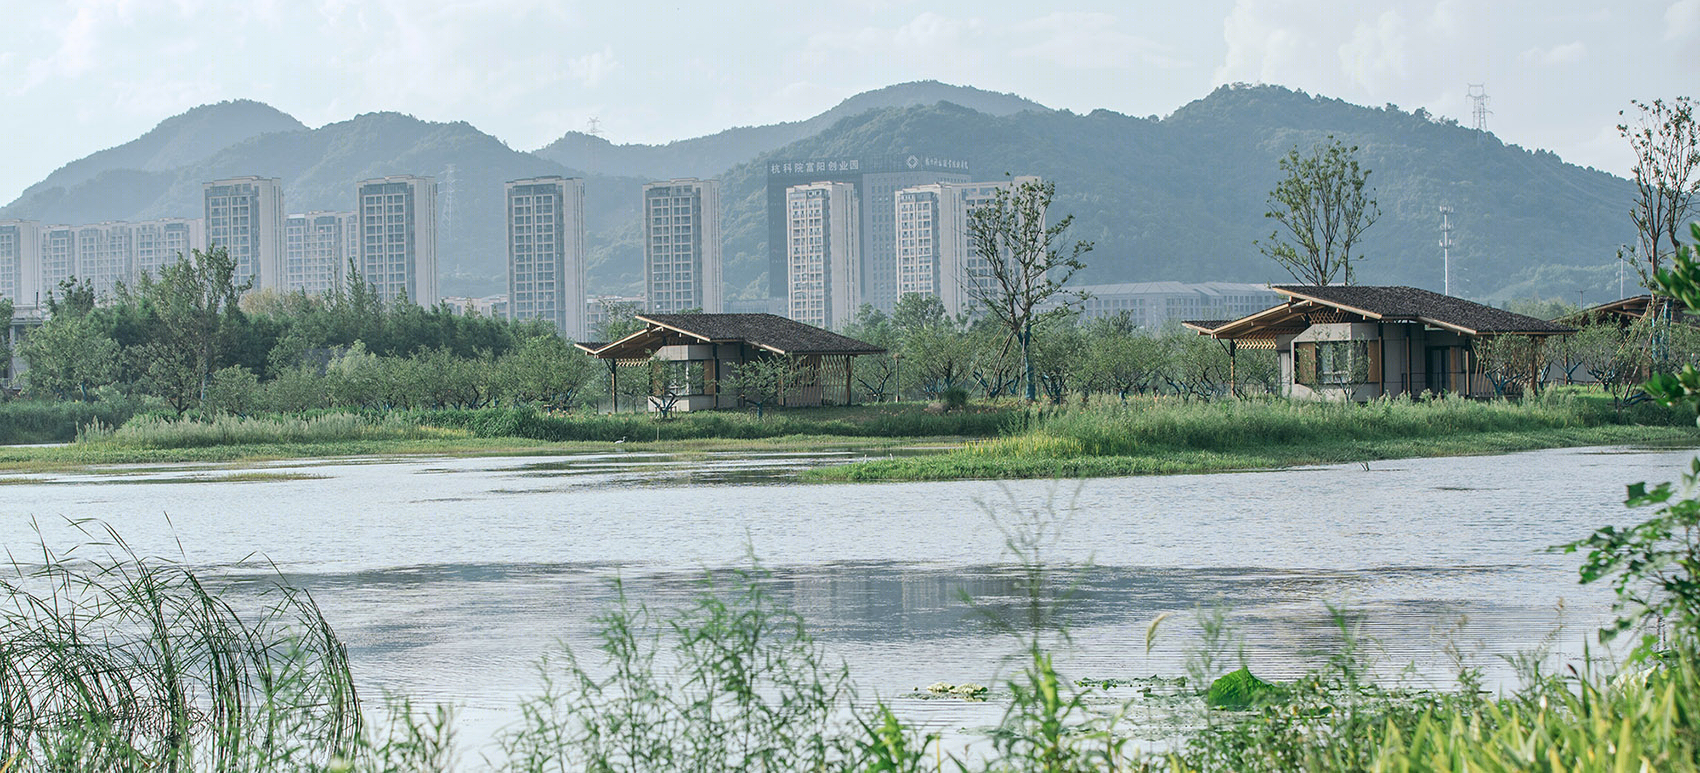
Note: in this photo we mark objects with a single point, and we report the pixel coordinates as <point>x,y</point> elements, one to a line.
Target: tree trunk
<point>1027,363</point>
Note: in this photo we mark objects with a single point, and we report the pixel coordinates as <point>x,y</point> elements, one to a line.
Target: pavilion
<point>710,347</point>
<point>1361,342</point>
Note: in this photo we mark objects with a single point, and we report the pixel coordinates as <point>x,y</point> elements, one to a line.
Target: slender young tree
<point>1022,264</point>
<point>1666,142</point>
<point>1324,206</point>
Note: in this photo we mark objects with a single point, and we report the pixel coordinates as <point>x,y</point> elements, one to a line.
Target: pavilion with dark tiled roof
<point>1360,342</point>
<point>718,343</point>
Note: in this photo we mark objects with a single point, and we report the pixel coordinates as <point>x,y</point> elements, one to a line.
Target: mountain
<point>1178,198</point>
<point>319,169</point>
<point>715,153</point>
<point>177,141</point>
<point>1182,198</point>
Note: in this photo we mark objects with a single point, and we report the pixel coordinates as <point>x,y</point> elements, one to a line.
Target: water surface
<point>449,578</point>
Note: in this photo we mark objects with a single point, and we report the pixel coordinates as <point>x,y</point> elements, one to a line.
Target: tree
<point>196,300</point>
<point>69,357</point>
<point>1324,208</point>
<point>546,370</point>
<point>1022,264</point>
<point>1666,142</point>
<point>763,381</point>
<point>1512,359</point>
<point>5,336</point>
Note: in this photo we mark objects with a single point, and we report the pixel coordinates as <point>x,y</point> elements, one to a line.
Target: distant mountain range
<point>1177,198</point>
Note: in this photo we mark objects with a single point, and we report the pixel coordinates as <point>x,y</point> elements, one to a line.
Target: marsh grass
<point>161,432</point>
<point>1164,435</point>
<point>904,420</point>
<point>109,661</point>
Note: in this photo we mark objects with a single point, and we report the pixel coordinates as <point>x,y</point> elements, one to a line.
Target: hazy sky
<point>77,76</point>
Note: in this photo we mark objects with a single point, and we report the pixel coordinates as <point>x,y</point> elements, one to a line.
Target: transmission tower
<point>1479,106</point>
<point>1446,245</point>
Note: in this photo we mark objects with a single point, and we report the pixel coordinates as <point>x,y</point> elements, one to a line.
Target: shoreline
<point>966,464</point>
<point>955,458</point>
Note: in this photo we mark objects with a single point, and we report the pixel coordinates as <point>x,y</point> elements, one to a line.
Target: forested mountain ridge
<point>1178,198</point>
<point>1182,198</point>
<point>710,155</point>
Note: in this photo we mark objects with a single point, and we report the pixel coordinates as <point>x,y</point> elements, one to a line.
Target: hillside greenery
<point>1173,198</point>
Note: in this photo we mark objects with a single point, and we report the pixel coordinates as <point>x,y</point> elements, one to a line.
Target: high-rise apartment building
<point>877,180</point>
<point>159,243</point>
<point>316,251</point>
<point>58,257</point>
<point>20,262</point>
<point>104,255</point>
<point>245,216</point>
<point>822,242</point>
<point>398,236</point>
<point>546,252</point>
<point>681,246</point>
<point>933,252</point>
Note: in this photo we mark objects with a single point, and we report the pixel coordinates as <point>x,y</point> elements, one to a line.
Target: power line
<point>1479,106</point>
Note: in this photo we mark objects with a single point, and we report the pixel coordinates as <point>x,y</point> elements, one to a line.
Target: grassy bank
<point>1168,436</point>
<point>490,432</point>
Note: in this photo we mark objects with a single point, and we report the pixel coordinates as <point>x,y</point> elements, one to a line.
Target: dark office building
<point>877,180</point>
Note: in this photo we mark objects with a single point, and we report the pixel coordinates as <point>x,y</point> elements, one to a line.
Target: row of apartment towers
<point>913,237</point>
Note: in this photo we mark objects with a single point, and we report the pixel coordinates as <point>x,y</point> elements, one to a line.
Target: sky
<point>77,76</point>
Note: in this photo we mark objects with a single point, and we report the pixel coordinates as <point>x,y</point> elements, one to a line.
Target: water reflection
<point>449,578</point>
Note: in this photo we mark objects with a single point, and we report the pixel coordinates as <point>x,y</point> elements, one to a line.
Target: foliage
<point>1508,360</point>
<point>1655,565</point>
<point>1322,205</point>
<point>1666,141</point>
<point>765,381</point>
<point>116,662</point>
<point>750,690</point>
<point>69,358</point>
<point>1020,263</point>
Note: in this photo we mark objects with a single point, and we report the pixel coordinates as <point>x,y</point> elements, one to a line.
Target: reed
<point>109,661</point>
<point>157,432</point>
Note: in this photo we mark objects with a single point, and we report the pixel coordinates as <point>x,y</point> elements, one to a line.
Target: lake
<point>450,577</point>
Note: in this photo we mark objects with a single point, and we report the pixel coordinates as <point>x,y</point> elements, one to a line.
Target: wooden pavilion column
<point>847,393</point>
<point>614,385</point>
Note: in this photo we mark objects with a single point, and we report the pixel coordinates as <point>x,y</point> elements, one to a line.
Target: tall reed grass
<point>55,421</point>
<point>161,432</point>
<point>1115,428</point>
<point>864,421</point>
<point>113,662</point>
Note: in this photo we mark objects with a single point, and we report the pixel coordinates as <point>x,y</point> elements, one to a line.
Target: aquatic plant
<point>110,661</point>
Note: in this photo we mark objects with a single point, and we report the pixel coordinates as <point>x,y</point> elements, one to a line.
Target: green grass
<point>1168,436</point>
<point>885,420</point>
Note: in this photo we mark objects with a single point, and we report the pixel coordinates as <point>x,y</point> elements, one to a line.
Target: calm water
<point>449,578</point>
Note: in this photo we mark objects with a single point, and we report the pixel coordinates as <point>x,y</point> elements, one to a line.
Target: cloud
<point>1682,19</point>
<point>1080,40</point>
<point>1376,52</point>
<point>593,68</point>
<point>1568,53</point>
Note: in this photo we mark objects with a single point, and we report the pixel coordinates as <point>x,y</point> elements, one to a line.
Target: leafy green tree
<point>1512,359</point>
<point>1322,205</point>
<point>5,336</point>
<point>1666,141</point>
<point>935,358</point>
<point>1022,264</point>
<point>1120,358</point>
<point>1060,354</point>
<point>764,381</point>
<point>548,371</point>
<point>196,300</point>
<point>916,310</point>
<point>69,357</point>
<point>876,374</point>
<point>232,390</point>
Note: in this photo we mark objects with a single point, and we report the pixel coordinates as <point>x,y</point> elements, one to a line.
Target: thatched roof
<point>1412,304</point>
<point>1306,303</point>
<point>766,331</point>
